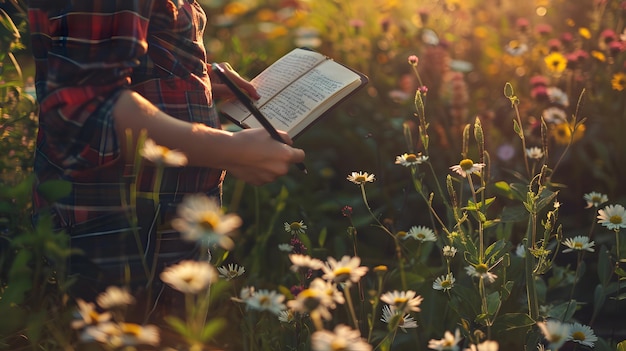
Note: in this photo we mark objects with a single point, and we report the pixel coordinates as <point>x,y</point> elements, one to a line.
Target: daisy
<point>467,166</point>
<point>488,345</point>
<point>618,81</point>
<point>330,290</point>
<point>403,301</point>
<point>406,321</point>
<point>161,155</point>
<point>444,282</point>
<point>201,218</point>
<point>231,272</point>
<point>448,343</point>
<point>613,217</point>
<point>303,261</point>
<point>115,297</point>
<point>555,332</point>
<point>595,199</point>
<point>579,243</point>
<point>402,235</point>
<point>265,300</point>
<point>361,178</point>
<point>534,153</point>
<point>189,276</point>
<point>88,315</point>
<point>312,301</point>
<point>345,270</point>
<point>342,338</point>
<point>558,96</point>
<point>122,334</point>
<point>481,271</point>
<point>286,316</point>
<point>449,251</point>
<point>408,160</point>
<point>556,62</point>
<point>422,233</point>
<point>295,228</point>
<point>554,115</point>
<point>582,334</point>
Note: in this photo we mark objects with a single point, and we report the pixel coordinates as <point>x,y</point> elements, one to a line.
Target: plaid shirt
<point>86,54</point>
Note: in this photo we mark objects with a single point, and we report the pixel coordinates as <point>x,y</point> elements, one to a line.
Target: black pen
<point>247,102</point>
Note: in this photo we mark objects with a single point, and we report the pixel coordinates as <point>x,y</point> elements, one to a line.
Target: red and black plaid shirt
<point>86,54</point>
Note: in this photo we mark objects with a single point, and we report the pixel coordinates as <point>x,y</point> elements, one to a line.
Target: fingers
<point>240,81</point>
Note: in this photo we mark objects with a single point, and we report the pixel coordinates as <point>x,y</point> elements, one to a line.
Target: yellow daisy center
<point>578,335</point>
<point>338,345</point>
<point>401,234</point>
<point>421,236</point>
<point>131,328</point>
<point>310,299</point>
<point>466,164</point>
<point>615,219</point>
<point>411,158</point>
<point>446,284</point>
<point>578,245</point>
<point>481,268</point>
<point>209,220</point>
<point>342,273</point>
<point>264,301</point>
<point>360,179</point>
<point>295,226</point>
<point>398,301</point>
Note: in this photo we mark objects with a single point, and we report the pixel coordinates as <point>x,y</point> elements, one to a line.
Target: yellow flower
<point>556,62</point>
<point>584,32</point>
<point>619,81</point>
<point>598,55</point>
<point>562,133</point>
<point>235,9</point>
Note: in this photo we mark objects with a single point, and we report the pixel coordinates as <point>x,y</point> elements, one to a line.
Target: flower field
<point>470,197</point>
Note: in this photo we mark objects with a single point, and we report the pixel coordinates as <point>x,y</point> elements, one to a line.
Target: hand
<point>262,159</point>
<point>221,91</point>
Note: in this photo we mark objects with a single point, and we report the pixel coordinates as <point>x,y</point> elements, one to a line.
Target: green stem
<point>346,293</point>
<point>531,290</point>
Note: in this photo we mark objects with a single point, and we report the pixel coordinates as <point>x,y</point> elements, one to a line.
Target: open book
<point>296,91</point>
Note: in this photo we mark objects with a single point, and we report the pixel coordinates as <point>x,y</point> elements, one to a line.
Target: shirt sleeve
<point>85,52</point>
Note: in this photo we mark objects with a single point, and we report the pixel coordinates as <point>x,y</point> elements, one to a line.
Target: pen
<point>247,102</point>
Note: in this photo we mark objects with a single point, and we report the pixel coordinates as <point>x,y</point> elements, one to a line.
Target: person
<point>106,69</point>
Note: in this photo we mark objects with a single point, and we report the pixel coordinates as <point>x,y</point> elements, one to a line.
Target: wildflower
<point>312,301</point>
<point>304,261</point>
<point>361,178</point>
<point>556,62</point>
<point>403,301</point>
<point>520,251</point>
<point>467,166</point>
<point>449,251</point>
<point>413,60</point>
<point>404,322</point>
<point>122,334</point>
<point>555,115</point>
<point>505,152</point>
<point>558,96</point>
<point>381,269</point>
<point>408,160</point>
<point>534,153</point>
<point>422,233</point>
<point>582,334</point>
<point>613,217</point>
<point>444,282</point>
<point>231,272</point>
<point>598,55</point>
<point>298,245</point>
<point>115,297</point>
<point>516,48</point>
<point>562,133</point>
<point>556,204</point>
<point>402,235</point>
<point>284,247</point>
<point>189,276</point>
<point>161,155</point>
<point>265,300</point>
<point>584,32</point>
<point>595,199</point>
<point>342,338</point>
<point>88,315</point>
<point>295,227</point>
<point>481,270</point>
<point>286,316</point>
<point>330,290</point>
<point>201,218</point>
<point>555,332</point>
<point>344,271</point>
<point>488,345</point>
<point>618,81</point>
<point>579,243</point>
<point>448,343</point>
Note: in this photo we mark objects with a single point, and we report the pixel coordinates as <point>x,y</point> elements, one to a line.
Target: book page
<point>275,78</point>
<point>317,90</point>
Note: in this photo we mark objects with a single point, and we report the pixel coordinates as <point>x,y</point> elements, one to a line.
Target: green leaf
<point>211,328</point>
<point>510,321</point>
<point>599,296</point>
<point>493,303</point>
<point>604,266</point>
<point>53,190</point>
<point>508,90</point>
<point>513,214</point>
<point>178,325</point>
<point>546,197</point>
<point>322,237</point>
